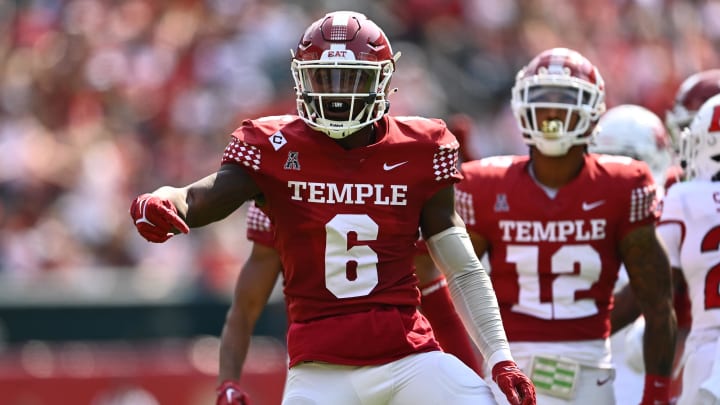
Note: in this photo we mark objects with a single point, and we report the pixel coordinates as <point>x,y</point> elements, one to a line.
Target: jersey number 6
<point>350,272</point>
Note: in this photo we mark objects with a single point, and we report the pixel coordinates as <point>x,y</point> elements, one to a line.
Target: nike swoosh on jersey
<point>586,206</point>
<point>600,382</point>
<point>387,167</point>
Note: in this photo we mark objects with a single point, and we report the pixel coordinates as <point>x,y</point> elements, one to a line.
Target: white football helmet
<point>700,144</point>
<point>634,131</point>
<point>558,78</point>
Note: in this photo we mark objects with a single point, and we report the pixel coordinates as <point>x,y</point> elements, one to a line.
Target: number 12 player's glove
<point>516,386</point>
<point>229,393</point>
<point>156,219</point>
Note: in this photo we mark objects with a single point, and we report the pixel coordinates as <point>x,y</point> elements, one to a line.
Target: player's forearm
<point>659,340</point>
<point>625,309</point>
<point>234,346</point>
<point>207,200</point>
<point>651,280</point>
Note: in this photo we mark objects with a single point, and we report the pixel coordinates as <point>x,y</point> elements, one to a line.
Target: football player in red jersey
<point>435,300</point>
<point>690,228</point>
<point>557,224</point>
<point>347,187</point>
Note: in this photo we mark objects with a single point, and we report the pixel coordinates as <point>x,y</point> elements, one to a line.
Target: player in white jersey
<point>690,228</point>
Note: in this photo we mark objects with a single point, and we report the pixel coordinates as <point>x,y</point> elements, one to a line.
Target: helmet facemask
<point>700,143</point>
<point>564,81</point>
<point>576,100</point>
<point>676,120</point>
<point>341,97</point>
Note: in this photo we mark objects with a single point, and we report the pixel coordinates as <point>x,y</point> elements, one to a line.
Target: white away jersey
<point>690,228</point>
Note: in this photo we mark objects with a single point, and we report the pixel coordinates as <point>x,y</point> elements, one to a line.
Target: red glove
<point>229,393</point>
<point>156,219</point>
<point>657,390</point>
<point>518,389</point>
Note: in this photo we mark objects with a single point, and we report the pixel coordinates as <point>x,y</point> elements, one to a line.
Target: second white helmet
<point>634,131</point>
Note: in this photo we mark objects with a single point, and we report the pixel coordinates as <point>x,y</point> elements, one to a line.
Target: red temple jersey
<point>346,222</point>
<point>555,260</point>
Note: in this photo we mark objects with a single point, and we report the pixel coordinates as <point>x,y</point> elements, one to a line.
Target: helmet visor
<point>340,81</point>
<point>558,95</point>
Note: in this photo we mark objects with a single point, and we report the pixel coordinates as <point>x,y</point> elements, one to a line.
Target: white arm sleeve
<point>472,292</point>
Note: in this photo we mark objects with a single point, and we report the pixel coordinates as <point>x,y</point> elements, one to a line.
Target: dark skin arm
<point>625,309</point>
<point>212,198</point>
<point>438,213</point>
<point>252,290</point>
<point>480,244</point>
<point>651,282</point>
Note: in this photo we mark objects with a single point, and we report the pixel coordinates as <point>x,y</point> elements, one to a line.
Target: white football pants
<point>426,378</point>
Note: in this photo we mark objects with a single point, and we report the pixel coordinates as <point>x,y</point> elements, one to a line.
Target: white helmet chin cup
<point>558,143</point>
<point>552,147</point>
<point>336,129</point>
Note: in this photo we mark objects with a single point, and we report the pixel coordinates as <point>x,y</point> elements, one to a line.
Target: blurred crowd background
<point>101,100</point>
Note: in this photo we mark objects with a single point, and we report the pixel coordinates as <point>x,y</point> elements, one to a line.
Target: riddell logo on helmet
<point>344,54</point>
